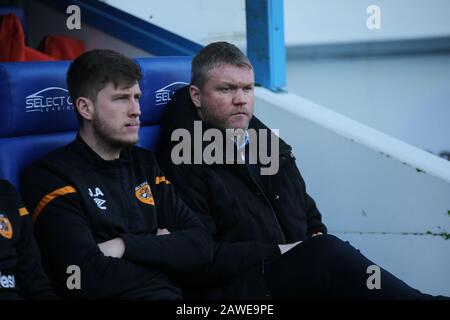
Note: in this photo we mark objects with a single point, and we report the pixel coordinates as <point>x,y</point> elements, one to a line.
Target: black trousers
<point>326,267</point>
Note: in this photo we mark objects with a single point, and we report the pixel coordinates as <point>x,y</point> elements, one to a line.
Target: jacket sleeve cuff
<point>129,248</point>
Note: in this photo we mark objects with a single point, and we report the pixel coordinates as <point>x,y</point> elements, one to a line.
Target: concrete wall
<point>407,97</point>
<point>330,21</point>
<point>306,21</point>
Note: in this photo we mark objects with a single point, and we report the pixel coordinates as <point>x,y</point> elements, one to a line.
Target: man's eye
<point>248,89</point>
<point>224,90</point>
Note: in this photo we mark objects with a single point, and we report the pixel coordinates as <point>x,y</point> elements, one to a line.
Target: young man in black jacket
<point>270,240</point>
<point>21,273</point>
<point>108,222</point>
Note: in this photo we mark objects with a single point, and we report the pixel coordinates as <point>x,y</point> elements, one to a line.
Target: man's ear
<point>85,108</point>
<point>196,95</point>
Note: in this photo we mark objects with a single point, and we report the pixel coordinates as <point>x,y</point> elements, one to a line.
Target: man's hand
<point>286,247</point>
<point>316,234</point>
<point>161,232</point>
<point>113,248</point>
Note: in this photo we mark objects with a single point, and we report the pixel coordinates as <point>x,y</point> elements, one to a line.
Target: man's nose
<point>135,109</point>
<point>240,97</point>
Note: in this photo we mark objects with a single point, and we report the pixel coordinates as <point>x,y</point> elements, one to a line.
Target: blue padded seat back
<point>34,99</point>
<point>16,153</point>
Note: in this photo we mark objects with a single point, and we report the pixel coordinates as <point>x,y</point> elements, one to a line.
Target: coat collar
<point>82,148</point>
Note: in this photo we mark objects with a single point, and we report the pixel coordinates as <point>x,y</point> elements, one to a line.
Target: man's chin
<point>239,126</point>
<point>127,142</point>
<point>243,125</point>
<point>133,142</point>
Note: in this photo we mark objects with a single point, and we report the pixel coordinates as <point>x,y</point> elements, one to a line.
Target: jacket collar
<point>85,151</point>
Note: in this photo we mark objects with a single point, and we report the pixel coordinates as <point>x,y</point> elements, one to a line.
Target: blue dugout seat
<point>37,116</point>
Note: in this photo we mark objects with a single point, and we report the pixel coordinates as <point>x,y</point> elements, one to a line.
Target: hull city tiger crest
<point>5,227</point>
<point>144,193</point>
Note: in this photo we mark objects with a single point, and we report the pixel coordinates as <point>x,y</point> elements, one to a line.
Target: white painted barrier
<point>389,199</point>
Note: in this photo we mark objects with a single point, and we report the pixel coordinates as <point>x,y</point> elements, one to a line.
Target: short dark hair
<point>93,70</point>
<point>213,55</point>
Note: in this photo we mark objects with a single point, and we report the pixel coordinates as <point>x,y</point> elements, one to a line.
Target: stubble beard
<point>106,139</point>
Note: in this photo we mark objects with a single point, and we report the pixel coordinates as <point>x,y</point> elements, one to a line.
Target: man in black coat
<point>270,239</point>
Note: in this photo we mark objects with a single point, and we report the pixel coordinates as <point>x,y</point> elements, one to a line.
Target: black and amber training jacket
<point>78,200</point>
<point>21,273</point>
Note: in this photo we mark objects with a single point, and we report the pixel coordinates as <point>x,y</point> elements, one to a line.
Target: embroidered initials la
<point>97,192</point>
<point>95,196</point>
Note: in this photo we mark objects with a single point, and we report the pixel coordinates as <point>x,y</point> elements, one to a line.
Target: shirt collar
<point>243,140</point>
